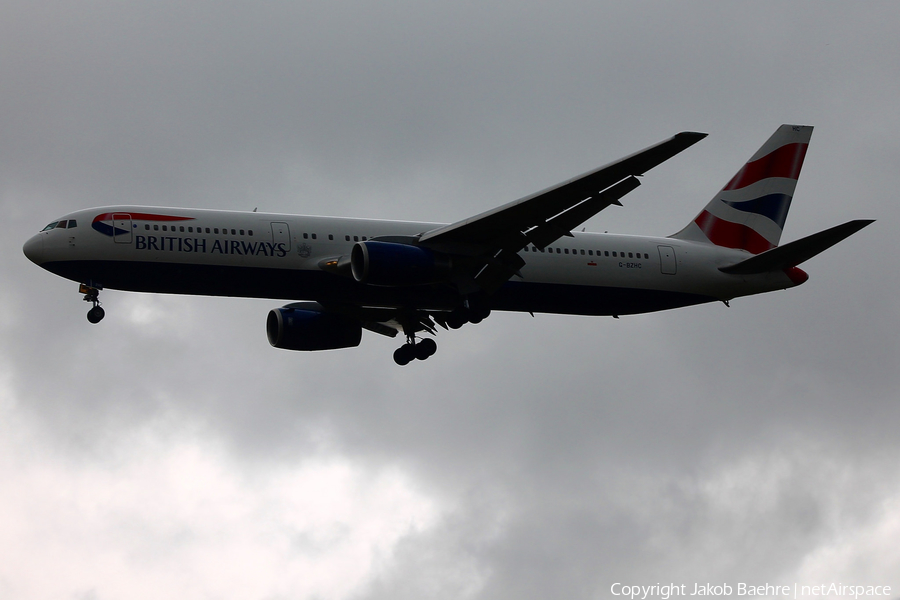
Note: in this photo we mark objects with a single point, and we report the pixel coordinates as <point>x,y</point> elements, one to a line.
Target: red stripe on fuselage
<point>783,162</point>
<point>141,217</point>
<point>731,235</point>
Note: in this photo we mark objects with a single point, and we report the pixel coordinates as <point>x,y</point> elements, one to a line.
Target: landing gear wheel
<point>476,309</point>
<point>408,352</point>
<point>457,318</point>
<point>96,314</point>
<point>404,354</point>
<point>425,348</point>
<point>92,295</point>
<point>480,314</point>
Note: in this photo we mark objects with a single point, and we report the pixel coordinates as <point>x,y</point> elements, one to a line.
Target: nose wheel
<point>92,295</point>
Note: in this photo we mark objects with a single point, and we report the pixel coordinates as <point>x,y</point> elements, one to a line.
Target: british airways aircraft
<point>394,277</point>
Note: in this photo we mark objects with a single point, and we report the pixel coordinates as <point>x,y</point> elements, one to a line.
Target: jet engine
<point>392,264</point>
<point>305,329</point>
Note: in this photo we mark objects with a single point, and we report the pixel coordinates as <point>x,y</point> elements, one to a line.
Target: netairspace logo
<point>672,590</point>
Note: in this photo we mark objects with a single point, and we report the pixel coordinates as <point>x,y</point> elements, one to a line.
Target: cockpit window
<point>64,224</point>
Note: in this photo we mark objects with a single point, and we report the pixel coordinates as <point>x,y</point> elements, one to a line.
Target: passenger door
<point>667,261</point>
<point>122,228</point>
<point>281,233</point>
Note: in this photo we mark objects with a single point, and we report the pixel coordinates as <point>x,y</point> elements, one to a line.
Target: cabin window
<point>156,228</point>
<point>606,253</point>
<point>305,236</point>
<point>646,256</point>
<point>313,236</point>
<point>355,238</point>
<point>630,255</point>
<point>215,230</point>
<point>330,237</point>
<point>147,226</point>
<point>249,232</point>
<point>181,229</point>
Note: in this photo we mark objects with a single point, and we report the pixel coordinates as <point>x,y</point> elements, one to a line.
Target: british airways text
<point>201,245</point>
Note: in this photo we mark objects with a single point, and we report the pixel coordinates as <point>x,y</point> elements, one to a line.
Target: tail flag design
<point>750,211</point>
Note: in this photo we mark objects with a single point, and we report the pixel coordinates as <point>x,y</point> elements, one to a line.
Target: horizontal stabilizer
<point>794,253</point>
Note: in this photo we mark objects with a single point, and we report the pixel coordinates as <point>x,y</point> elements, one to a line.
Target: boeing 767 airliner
<point>394,277</point>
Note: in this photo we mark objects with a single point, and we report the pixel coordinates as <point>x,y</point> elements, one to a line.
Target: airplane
<point>344,275</point>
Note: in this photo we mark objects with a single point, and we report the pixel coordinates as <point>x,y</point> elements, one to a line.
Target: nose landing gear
<point>92,295</point>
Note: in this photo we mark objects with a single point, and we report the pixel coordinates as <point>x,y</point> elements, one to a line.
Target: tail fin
<point>750,211</point>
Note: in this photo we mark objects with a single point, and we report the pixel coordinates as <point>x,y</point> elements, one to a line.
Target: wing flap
<point>563,223</point>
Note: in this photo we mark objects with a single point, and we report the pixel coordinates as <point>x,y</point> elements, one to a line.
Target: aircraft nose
<point>34,249</point>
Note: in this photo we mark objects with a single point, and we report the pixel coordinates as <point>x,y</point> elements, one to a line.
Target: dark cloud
<point>532,457</point>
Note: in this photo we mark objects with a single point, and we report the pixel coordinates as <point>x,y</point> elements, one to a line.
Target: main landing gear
<point>472,310</point>
<point>92,295</point>
<point>413,350</point>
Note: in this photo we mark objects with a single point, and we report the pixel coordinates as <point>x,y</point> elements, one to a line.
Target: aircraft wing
<point>496,236</point>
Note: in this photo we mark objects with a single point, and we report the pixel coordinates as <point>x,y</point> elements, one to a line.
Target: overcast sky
<point>171,452</point>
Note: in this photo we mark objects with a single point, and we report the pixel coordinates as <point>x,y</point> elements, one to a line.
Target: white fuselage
<point>250,254</point>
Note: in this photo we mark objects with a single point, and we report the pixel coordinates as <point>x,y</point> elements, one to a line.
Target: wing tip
<point>696,136</point>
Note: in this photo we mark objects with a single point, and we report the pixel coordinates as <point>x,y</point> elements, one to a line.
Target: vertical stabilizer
<point>750,211</point>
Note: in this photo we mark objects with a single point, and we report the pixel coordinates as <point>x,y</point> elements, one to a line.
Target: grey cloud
<point>564,453</point>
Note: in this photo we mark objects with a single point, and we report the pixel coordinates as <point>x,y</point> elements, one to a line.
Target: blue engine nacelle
<point>392,264</point>
<point>301,329</point>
